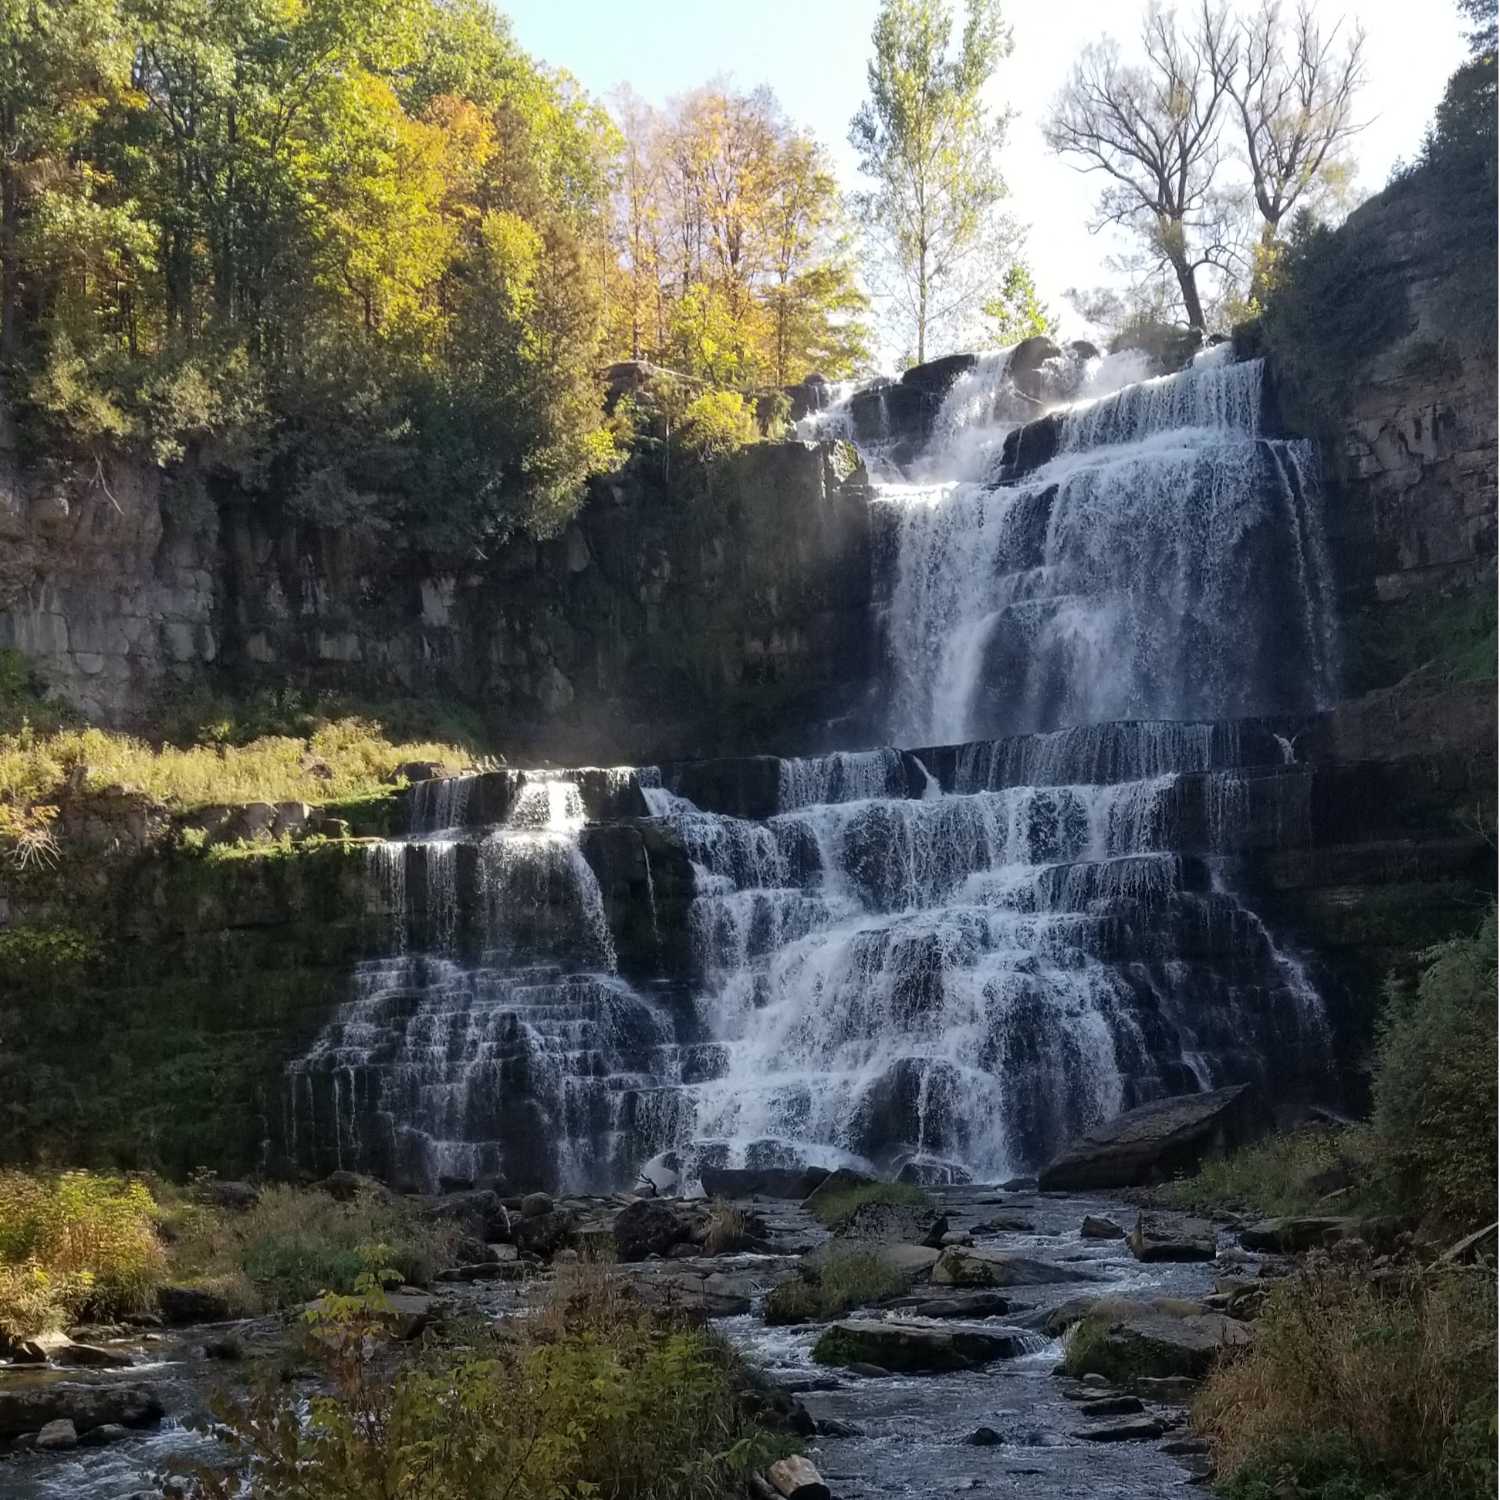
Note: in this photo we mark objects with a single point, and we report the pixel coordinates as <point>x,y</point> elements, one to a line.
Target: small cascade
<point>967,977</point>
<point>495,1040</point>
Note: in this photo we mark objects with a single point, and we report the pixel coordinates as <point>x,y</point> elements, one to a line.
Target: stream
<point>912,1431</point>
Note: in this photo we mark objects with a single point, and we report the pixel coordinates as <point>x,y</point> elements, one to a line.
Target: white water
<point>1127,577</point>
<point>947,962</point>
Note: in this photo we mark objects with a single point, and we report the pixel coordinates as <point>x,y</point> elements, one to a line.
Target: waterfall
<point>520,1058</point>
<point>1166,561</point>
<point>941,960</point>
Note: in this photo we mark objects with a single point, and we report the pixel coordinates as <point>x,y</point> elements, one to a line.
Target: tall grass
<point>835,1286</point>
<point>1364,1387</point>
<point>1286,1174</point>
<point>340,759</point>
<point>73,1244</point>
<point>296,1243</point>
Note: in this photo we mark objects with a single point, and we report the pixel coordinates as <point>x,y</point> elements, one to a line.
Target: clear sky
<point>813,55</point>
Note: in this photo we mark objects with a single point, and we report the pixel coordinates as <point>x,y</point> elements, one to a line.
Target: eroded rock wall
<point>721,610</point>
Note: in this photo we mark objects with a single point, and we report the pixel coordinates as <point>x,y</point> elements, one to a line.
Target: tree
<point>924,136</point>
<point>62,62</point>
<point>733,249</point>
<point>1293,90</point>
<point>1153,129</point>
<point>1015,312</point>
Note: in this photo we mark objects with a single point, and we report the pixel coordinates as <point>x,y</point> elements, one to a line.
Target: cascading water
<point>1165,561</point>
<point>941,961</point>
<point>496,1042</point>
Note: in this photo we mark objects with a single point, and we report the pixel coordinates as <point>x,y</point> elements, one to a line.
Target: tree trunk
<point>1187,282</point>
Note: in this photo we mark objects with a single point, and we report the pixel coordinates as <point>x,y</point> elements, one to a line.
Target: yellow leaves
<point>381,180</point>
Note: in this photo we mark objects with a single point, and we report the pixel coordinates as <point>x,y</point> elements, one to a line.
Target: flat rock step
<point>916,1348</point>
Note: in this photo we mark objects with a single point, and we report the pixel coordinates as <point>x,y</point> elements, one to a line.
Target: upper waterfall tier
<point>1149,553</point>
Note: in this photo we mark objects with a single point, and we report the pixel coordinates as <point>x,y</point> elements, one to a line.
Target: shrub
<point>833,1287</point>
<point>1355,1387</point>
<point>717,423</point>
<point>74,1243</point>
<point>296,1243</point>
<point>1435,1083</point>
<point>592,1396</point>
<point>839,1204</point>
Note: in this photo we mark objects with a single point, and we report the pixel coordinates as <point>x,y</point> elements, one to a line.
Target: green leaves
<point>932,222</point>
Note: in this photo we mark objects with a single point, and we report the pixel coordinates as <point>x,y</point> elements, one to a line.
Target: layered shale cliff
<point>724,610</point>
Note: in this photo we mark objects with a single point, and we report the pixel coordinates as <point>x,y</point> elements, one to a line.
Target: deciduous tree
<point>925,137</point>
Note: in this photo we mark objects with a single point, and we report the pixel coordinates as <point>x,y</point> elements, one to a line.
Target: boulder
<point>30,1408</point>
<point>56,1436</point>
<point>544,1235</point>
<point>984,1437</point>
<point>1158,1237</point>
<point>534,1205</point>
<point>232,1197</point>
<point>653,1226</point>
<point>892,1224</point>
<point>1111,1406</point>
<point>916,1348</point>
<point>1005,1224</point>
<point>791,1183</point>
<point>181,1305</point>
<point>1155,1140</point>
<point>98,1437</point>
<point>838,1181</point>
<point>1100,1229</point>
<point>478,1211</point>
<point>963,1305</point>
<point>1125,1341</point>
<point>911,1260</point>
<point>1288,1236</point>
<point>1132,1430</point>
<point>91,1356</point>
<point>795,1478</point>
<point>972,1266</point>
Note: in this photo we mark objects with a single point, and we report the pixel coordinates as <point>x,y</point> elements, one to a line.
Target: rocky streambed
<point>953,1388</point>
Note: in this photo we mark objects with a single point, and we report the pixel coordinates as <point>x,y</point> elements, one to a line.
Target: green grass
<point>835,1208</point>
<point>592,1395</point>
<point>1286,1174</point>
<point>834,1286</point>
<point>297,1243</point>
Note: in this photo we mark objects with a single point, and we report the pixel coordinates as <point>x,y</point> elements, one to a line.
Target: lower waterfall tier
<point>940,983</point>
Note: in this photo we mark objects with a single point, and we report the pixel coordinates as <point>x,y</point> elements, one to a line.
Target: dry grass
<point>74,1243</point>
<point>728,1229</point>
<point>357,756</point>
<point>1388,1382</point>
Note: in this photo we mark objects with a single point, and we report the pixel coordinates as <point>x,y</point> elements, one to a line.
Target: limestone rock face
<point>686,616</point>
<point>1153,1141</point>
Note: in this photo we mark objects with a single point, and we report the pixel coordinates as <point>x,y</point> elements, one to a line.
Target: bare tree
<point>1293,90</point>
<point>1154,130</point>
